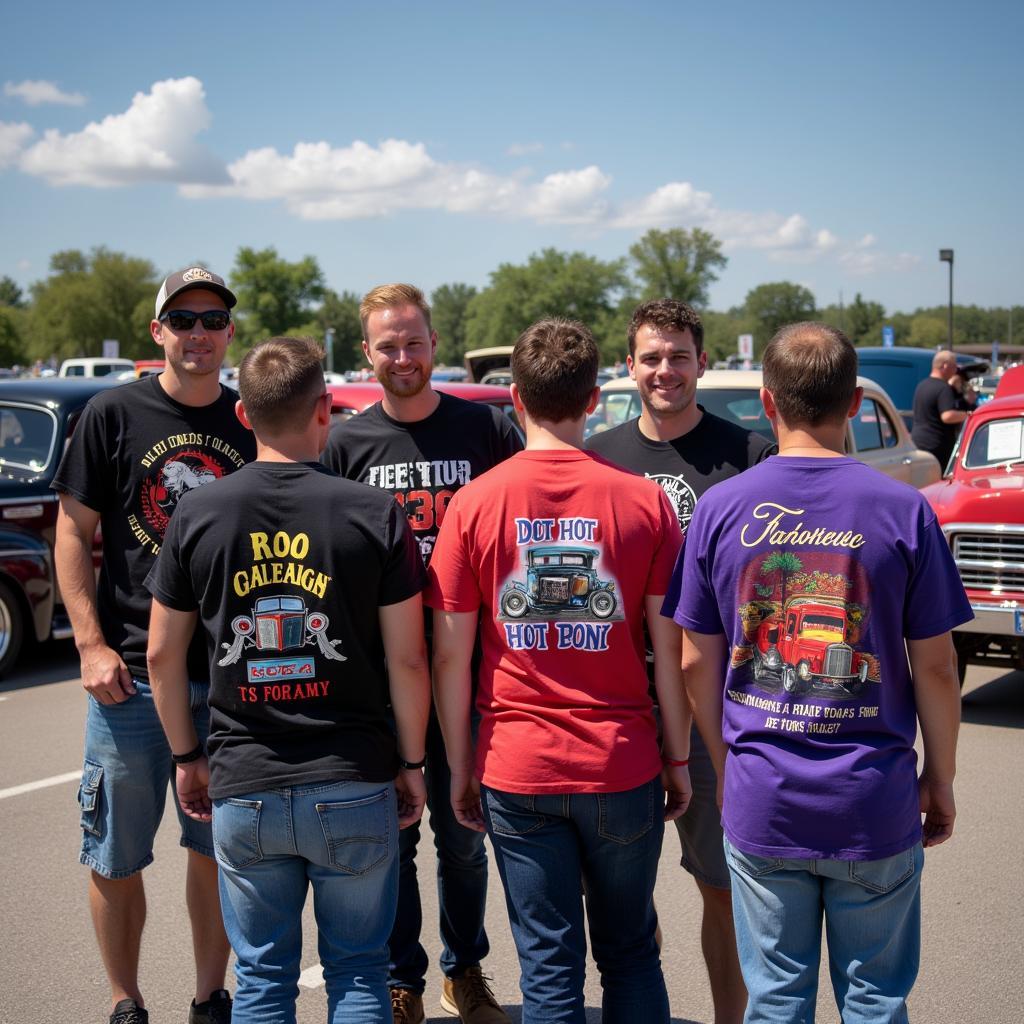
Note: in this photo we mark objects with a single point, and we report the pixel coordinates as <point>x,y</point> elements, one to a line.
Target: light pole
<point>946,256</point>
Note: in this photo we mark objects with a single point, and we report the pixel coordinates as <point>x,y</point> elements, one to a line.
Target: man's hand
<point>938,808</point>
<point>191,781</point>
<point>105,676</point>
<point>466,801</point>
<point>678,790</point>
<point>412,796</point>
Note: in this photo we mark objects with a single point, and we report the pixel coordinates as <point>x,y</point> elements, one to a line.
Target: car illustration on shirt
<point>559,578</point>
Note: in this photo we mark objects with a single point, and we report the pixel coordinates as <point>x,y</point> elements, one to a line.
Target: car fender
<point>26,564</point>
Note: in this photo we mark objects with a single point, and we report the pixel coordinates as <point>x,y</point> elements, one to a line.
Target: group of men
<point>568,632</point>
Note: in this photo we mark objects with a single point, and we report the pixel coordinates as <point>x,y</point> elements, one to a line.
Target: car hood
<point>986,496</point>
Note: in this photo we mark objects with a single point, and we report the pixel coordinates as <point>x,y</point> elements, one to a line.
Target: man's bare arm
<point>170,633</point>
<point>937,694</point>
<point>703,667</point>
<point>667,642</point>
<point>401,628</point>
<point>454,637</point>
<point>104,673</point>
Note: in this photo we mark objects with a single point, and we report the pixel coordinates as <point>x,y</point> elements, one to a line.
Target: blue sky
<point>839,146</point>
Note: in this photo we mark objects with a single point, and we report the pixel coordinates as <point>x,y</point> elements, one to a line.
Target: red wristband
<point>674,764</point>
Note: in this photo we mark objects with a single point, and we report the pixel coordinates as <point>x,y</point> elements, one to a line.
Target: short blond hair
<point>389,296</point>
<point>279,381</point>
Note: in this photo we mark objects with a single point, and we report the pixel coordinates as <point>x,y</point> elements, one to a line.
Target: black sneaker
<point>216,1009</point>
<point>127,1011</point>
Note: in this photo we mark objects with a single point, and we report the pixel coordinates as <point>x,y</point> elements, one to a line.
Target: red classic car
<point>980,507</point>
<point>349,399</point>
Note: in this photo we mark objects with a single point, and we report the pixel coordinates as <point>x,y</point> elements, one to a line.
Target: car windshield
<point>996,443</point>
<point>822,627</point>
<point>27,437</point>
<point>741,405</point>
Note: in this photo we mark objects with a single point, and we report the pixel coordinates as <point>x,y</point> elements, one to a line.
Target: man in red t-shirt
<point>560,555</point>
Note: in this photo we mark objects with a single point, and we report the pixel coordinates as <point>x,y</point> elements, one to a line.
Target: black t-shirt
<point>687,466</point>
<point>423,463</point>
<point>133,455</point>
<point>287,566</point>
<point>933,397</point>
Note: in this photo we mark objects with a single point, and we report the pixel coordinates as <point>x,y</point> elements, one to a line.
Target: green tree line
<point>89,297</point>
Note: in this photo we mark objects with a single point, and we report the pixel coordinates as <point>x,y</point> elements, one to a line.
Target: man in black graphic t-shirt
<point>137,450</point>
<point>304,583</point>
<point>422,446</point>
<point>686,449</point>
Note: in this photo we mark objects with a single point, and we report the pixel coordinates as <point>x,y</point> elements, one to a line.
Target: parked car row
<point>980,505</point>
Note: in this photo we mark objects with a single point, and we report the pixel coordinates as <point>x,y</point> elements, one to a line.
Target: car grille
<point>990,561</point>
<point>838,659</point>
<point>554,588</point>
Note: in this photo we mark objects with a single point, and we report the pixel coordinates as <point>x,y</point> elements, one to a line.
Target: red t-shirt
<point>558,550</point>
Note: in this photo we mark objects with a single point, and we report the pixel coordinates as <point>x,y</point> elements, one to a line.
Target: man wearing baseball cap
<point>137,449</point>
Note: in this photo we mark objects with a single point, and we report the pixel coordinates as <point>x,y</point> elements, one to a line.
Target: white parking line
<point>312,977</point>
<point>28,787</point>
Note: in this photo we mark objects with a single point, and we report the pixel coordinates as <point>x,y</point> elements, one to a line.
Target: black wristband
<point>192,755</point>
<point>412,765</point>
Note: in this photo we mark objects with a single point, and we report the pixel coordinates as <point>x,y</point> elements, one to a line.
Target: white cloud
<point>524,148</point>
<point>13,136</point>
<point>37,92</point>
<point>153,140</point>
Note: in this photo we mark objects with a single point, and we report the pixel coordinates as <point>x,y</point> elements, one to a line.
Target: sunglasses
<point>184,319</point>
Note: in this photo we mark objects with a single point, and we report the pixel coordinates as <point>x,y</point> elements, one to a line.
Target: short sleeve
<point>403,576</point>
<point>947,400</point>
<point>453,584</point>
<point>935,600</point>
<point>168,580</point>
<point>87,470</point>
<point>696,606</point>
<point>670,539</point>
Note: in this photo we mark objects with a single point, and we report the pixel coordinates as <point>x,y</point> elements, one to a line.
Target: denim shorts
<point>125,777</point>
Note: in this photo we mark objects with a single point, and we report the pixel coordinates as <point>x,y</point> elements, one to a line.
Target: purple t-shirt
<point>817,571</point>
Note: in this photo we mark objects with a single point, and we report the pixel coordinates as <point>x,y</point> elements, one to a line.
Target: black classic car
<point>36,419</point>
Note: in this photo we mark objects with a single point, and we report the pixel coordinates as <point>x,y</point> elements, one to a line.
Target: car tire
<point>791,682</point>
<point>12,628</point>
<point>602,604</point>
<point>514,604</point>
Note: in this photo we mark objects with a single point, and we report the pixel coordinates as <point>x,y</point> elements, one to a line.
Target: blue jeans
<point>339,837</point>
<point>461,884</point>
<point>554,851</point>
<point>126,772</point>
<point>872,912</point>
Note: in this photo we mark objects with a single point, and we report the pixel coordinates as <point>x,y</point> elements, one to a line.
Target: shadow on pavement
<point>42,664</point>
<point>516,1015</point>
<point>999,702</point>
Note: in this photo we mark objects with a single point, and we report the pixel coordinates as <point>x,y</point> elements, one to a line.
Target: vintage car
<point>876,435</point>
<point>805,647</point>
<point>351,398</point>
<point>559,578</point>
<point>36,419</point>
<point>980,507</point>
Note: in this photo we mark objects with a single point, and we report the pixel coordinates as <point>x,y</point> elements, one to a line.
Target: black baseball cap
<point>185,280</point>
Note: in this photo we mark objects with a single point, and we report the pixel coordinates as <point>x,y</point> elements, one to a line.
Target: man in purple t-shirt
<point>806,582</point>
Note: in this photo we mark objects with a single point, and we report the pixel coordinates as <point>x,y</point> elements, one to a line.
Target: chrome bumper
<point>997,618</point>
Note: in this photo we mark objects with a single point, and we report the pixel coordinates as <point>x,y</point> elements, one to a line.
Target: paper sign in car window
<point>1004,440</point>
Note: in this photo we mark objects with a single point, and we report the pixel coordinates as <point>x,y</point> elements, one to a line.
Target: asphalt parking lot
<point>973,886</point>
